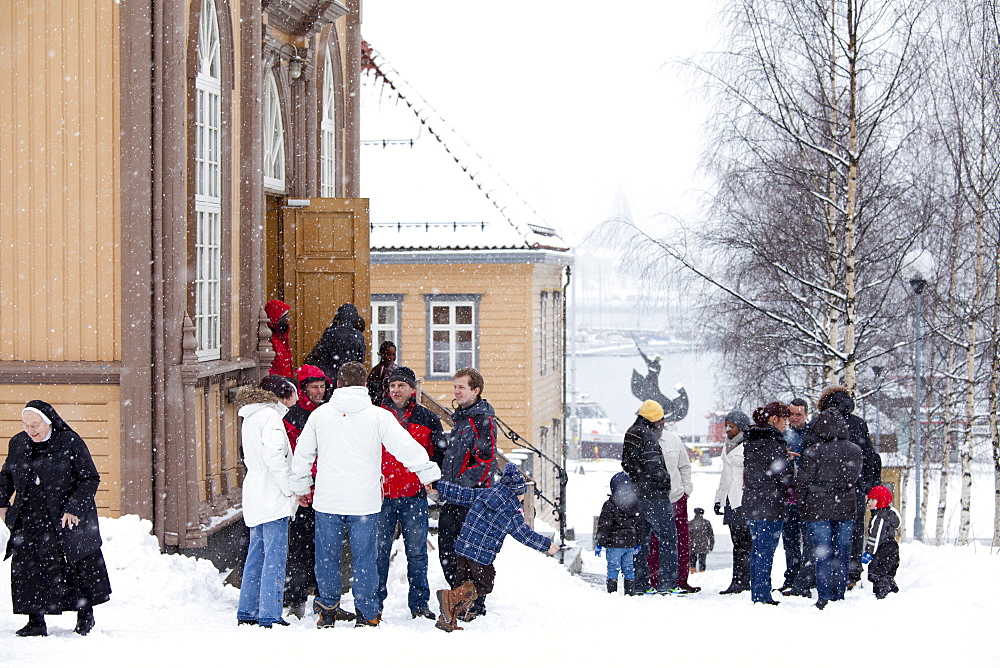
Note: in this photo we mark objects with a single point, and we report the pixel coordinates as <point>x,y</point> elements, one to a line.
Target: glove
<point>718,508</point>
<point>597,551</point>
<point>866,557</point>
<point>636,550</point>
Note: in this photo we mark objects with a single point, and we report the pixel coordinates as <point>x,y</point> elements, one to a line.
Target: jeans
<point>361,532</point>
<point>620,558</point>
<point>262,589</point>
<point>831,541</point>
<point>791,541</point>
<point>411,513</point>
<point>765,535</point>
<point>659,516</point>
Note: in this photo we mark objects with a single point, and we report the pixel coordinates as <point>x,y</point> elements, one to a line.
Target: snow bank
<point>174,610</point>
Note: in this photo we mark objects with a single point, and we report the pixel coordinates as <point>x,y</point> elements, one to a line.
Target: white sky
<point>568,101</point>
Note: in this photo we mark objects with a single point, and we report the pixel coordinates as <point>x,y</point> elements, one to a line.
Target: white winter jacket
<point>731,482</point>
<point>345,437</point>
<point>675,456</point>
<point>267,489</point>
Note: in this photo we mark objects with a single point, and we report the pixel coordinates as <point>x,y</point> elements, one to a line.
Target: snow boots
<point>34,627</point>
<point>612,586</point>
<point>327,616</point>
<point>453,604</point>
<point>630,588</point>
<point>367,623</point>
<point>84,621</point>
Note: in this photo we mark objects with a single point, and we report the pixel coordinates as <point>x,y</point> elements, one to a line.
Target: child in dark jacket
<point>702,540</point>
<point>620,528</point>
<point>881,550</point>
<point>493,513</point>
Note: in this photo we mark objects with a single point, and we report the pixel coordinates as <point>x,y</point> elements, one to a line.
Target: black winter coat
<point>620,525</point>
<point>871,471</point>
<point>825,486</point>
<point>642,460</point>
<point>64,471</point>
<point>766,474</point>
<point>340,343</point>
<point>470,458</point>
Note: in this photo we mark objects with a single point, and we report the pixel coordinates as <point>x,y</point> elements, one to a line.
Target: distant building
<point>462,272</point>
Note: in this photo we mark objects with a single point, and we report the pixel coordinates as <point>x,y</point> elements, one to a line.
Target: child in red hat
<point>881,550</point>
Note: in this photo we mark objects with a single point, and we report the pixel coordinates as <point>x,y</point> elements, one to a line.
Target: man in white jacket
<point>345,437</point>
<point>678,462</point>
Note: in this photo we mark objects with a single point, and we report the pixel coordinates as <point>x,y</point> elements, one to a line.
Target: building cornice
<point>493,256</point>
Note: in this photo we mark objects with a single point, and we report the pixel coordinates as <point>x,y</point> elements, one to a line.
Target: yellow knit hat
<point>651,410</point>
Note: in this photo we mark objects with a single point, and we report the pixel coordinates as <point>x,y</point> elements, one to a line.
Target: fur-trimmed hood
<point>251,394</point>
<point>836,396</point>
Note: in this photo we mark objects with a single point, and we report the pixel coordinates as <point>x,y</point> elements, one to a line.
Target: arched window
<point>208,187</point>
<point>274,137</point>
<point>328,130</point>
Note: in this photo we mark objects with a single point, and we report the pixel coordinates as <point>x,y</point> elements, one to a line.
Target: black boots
<point>612,586</point>
<point>84,621</point>
<point>34,627</point>
<point>630,588</point>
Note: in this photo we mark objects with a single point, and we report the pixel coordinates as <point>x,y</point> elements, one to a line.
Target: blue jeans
<point>263,586</point>
<point>765,535</point>
<point>831,541</point>
<point>620,558</point>
<point>411,513</point>
<point>659,516</point>
<point>361,530</point>
<point>791,541</point>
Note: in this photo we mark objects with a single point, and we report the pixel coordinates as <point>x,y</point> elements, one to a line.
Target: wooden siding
<point>59,182</point>
<point>92,411</point>
<point>508,337</point>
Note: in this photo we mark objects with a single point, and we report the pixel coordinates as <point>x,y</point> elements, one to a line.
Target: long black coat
<point>766,474</point>
<point>340,343</point>
<point>64,471</point>
<point>642,460</point>
<point>825,486</point>
<point>871,471</point>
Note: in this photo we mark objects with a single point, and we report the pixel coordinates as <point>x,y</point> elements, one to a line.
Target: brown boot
<point>454,602</point>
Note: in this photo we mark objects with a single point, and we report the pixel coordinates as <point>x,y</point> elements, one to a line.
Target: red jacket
<point>282,364</point>
<point>425,428</point>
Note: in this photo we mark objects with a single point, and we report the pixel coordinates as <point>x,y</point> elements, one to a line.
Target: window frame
<point>328,130</point>
<point>273,171</point>
<point>396,301</point>
<point>543,332</point>
<point>208,186</point>
<point>453,300</point>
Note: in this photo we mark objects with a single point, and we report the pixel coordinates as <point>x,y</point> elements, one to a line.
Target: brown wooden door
<point>325,265</point>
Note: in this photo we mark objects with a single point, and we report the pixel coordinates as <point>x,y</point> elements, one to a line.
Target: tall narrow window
<point>208,187</point>
<point>452,332</point>
<point>274,137</point>
<point>543,332</point>
<point>328,130</point>
<point>386,324</point>
<point>557,314</point>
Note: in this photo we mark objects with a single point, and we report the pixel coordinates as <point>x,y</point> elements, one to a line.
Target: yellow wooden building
<point>167,167</point>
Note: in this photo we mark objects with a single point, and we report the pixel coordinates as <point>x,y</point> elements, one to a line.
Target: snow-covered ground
<point>172,610</point>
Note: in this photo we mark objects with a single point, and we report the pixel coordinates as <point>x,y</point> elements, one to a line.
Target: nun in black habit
<point>55,543</point>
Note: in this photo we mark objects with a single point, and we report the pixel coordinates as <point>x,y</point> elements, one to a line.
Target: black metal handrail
<point>559,506</point>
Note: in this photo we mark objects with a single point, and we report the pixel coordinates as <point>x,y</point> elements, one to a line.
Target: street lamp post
<point>877,370</point>
<point>918,284</point>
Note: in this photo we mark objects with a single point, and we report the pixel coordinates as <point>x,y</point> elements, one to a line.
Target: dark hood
<point>830,425</point>
<point>622,491</point>
<point>347,316</point>
<point>838,397</point>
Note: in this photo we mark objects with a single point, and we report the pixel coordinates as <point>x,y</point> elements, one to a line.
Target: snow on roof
<point>427,188</point>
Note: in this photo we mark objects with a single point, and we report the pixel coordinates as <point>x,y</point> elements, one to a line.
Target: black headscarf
<point>58,424</point>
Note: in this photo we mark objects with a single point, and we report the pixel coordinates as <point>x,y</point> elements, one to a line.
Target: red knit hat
<point>882,496</point>
<point>275,309</point>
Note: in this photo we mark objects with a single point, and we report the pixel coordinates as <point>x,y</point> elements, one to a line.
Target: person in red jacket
<point>277,321</point>
<point>404,499</point>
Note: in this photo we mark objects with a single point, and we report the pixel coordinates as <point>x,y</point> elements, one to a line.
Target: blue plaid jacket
<point>493,513</point>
